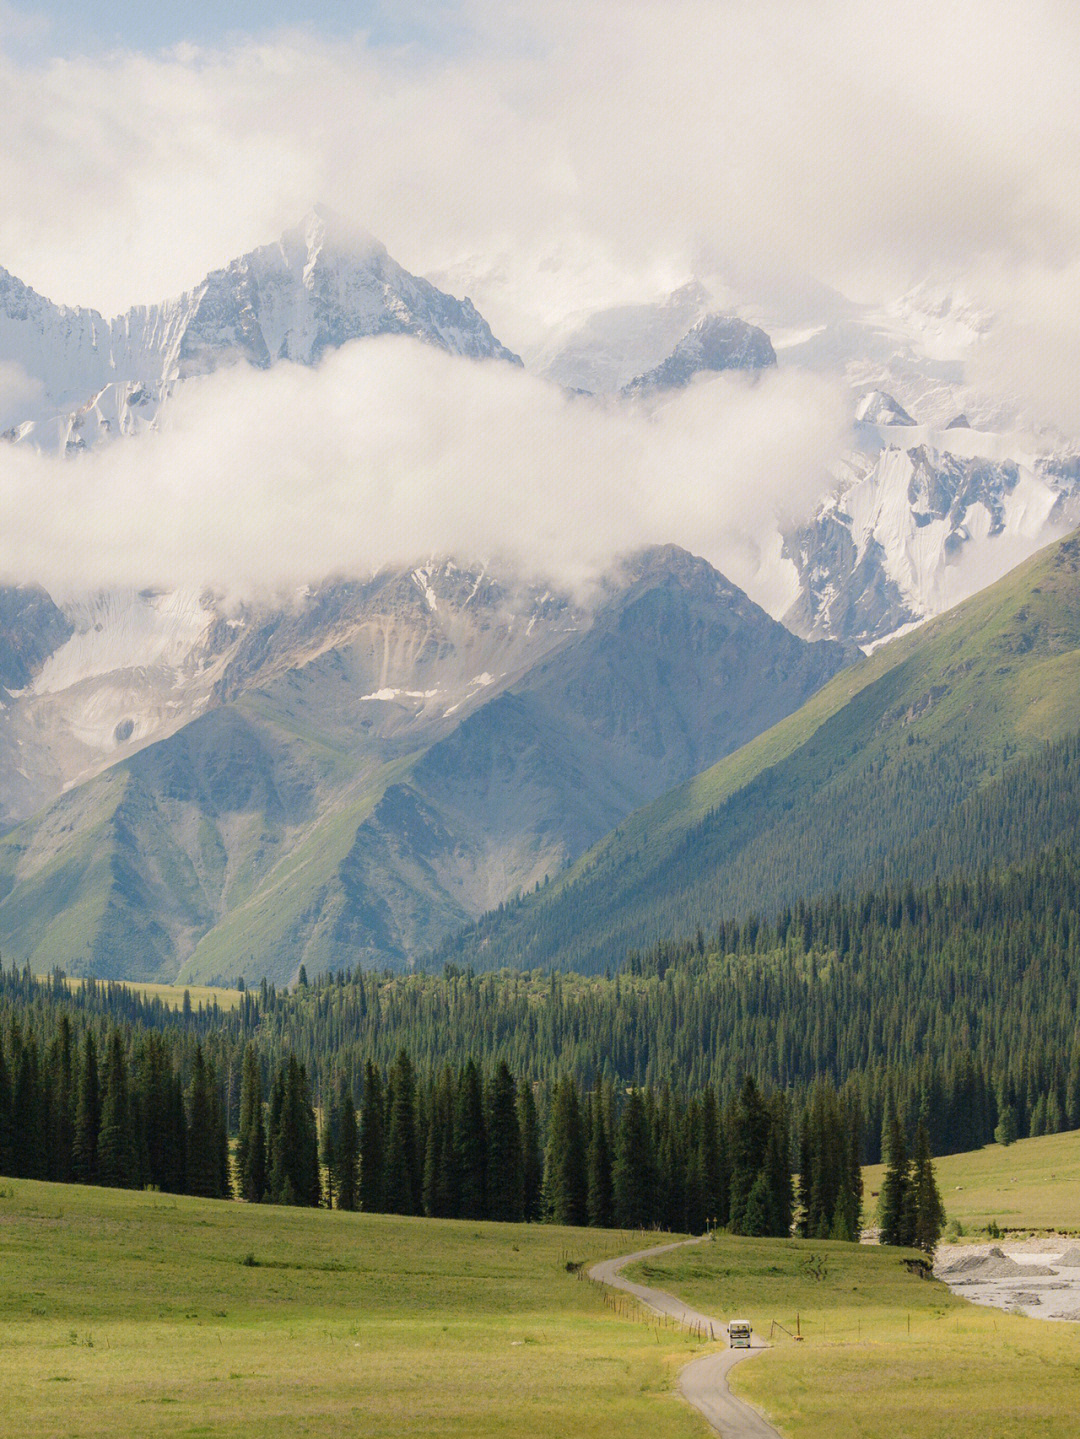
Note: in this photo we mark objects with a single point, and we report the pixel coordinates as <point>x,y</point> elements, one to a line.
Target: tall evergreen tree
<point>251,1150</point>
<point>116,1149</point>
<point>929,1211</point>
<point>372,1142</point>
<point>403,1176</point>
<point>634,1171</point>
<point>894,1206</point>
<point>7,1137</point>
<point>532,1164</point>
<point>601,1198</point>
<point>749,1146</point>
<point>348,1154</point>
<point>203,1170</point>
<point>87,1115</point>
<point>470,1145</point>
<point>565,1178</point>
<point>505,1179</point>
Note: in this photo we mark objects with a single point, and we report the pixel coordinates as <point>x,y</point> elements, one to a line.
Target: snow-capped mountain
<point>606,350</point>
<point>716,342</point>
<point>919,520</point>
<point>90,682</point>
<point>352,776</point>
<point>85,378</point>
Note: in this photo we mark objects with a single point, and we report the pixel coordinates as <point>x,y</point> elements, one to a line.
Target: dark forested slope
<point>929,756</point>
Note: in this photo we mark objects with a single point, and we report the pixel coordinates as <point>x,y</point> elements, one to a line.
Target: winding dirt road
<point>704,1381</point>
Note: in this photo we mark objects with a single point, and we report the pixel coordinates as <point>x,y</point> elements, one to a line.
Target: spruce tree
<point>929,1211</point>
<point>251,1150</point>
<point>601,1186</point>
<point>470,1145</point>
<point>7,1147</point>
<point>566,1188</point>
<point>62,1112</point>
<point>757,1215</point>
<point>403,1172</point>
<point>777,1169</point>
<point>749,1145</point>
<point>893,1203</point>
<point>116,1150</point>
<point>348,1155</point>
<point>372,1142</point>
<point>532,1164</point>
<point>87,1115</point>
<point>634,1172</point>
<point>505,1181</point>
<point>203,1170</point>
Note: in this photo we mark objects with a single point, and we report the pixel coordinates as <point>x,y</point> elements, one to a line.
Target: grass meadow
<point>1031,1185</point>
<point>136,1314</point>
<point>885,1354</point>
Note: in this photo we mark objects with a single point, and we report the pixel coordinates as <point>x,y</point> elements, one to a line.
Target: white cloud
<point>571,156</point>
<point>587,151</point>
<point>18,391</point>
<point>392,450</point>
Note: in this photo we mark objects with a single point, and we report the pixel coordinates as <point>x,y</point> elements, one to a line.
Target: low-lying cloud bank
<point>391,451</point>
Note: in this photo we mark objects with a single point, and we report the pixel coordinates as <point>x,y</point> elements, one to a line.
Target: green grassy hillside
<point>867,782</point>
<point>1033,1184</point>
<point>142,1314</point>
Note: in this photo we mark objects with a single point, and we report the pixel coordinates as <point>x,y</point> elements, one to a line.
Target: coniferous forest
<point>685,1089</point>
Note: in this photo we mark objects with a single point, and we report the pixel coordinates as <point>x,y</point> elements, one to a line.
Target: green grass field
<point>130,1313</point>
<point>173,994</point>
<point>1032,1185</point>
<point>885,1354</point>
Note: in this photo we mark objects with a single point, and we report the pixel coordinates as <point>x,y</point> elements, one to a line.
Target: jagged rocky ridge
<point>383,762</point>
<point>314,290</point>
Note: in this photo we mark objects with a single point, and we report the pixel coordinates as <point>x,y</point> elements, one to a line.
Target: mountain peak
<point>878,408</point>
<point>716,342</point>
<point>323,230</point>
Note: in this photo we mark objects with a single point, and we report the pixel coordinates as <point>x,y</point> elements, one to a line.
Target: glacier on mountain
<point>314,290</point>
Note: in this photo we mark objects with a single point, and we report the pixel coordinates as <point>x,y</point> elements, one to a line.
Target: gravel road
<point>704,1381</point>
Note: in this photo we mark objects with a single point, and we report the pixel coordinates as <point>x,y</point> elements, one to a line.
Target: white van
<point>738,1333</point>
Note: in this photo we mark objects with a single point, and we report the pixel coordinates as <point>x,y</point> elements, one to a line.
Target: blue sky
<point>66,27</point>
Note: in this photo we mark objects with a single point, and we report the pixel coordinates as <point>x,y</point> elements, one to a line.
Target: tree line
<point>467,1142</point>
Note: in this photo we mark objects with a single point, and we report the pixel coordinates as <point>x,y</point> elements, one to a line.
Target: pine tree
<point>87,1115</point>
<point>62,1113</point>
<point>251,1150</point>
<point>372,1142</point>
<point>403,1177</point>
<point>532,1164</point>
<point>505,1181</point>
<point>470,1145</point>
<point>1007,1130</point>
<point>929,1211</point>
<point>601,1201</point>
<point>634,1172</point>
<point>749,1146</point>
<point>7,1145</point>
<point>777,1169</point>
<point>328,1139</point>
<point>348,1155</point>
<point>203,1170</point>
<point>894,1204</point>
<point>566,1189</point>
<point>116,1152</point>
<point>757,1214</point>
